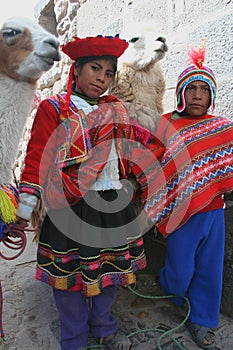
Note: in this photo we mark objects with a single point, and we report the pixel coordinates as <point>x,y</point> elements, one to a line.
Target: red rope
<point>14,238</point>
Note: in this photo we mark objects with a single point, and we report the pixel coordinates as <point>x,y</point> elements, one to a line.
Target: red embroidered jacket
<point>66,152</point>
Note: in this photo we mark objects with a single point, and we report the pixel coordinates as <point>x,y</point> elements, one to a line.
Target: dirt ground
<point>30,318</point>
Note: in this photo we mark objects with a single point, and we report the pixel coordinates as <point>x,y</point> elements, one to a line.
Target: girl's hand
<point>21,221</point>
<point>16,228</point>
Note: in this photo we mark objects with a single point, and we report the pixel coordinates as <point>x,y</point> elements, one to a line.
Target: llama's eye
<point>10,33</point>
<point>133,40</point>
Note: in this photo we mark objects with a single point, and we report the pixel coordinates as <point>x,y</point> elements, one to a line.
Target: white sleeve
<point>27,203</point>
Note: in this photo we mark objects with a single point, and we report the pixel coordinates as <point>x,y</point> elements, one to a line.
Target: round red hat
<point>95,46</point>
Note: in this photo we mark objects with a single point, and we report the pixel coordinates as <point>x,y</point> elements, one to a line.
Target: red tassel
<point>197,56</point>
<point>65,107</point>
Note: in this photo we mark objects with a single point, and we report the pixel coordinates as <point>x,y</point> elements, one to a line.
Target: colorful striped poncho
<point>191,167</point>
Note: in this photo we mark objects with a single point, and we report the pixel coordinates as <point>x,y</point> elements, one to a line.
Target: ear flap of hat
<point>195,71</point>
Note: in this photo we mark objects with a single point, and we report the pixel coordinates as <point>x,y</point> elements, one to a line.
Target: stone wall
<point>183,23</point>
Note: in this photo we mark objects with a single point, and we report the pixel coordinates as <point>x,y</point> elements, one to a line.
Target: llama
<point>26,51</point>
<point>140,82</point>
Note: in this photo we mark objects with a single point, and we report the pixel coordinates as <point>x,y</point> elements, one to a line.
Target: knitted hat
<point>196,71</point>
<point>91,46</point>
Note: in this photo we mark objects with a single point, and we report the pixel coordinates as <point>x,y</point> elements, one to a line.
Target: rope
<point>15,240</point>
<point>165,333</point>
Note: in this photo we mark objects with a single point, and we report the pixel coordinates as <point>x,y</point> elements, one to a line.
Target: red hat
<point>95,46</point>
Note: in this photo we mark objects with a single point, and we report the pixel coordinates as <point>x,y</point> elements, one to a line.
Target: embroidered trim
<point>75,127</point>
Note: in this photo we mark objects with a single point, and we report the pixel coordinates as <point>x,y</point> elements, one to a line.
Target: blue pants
<point>80,316</point>
<point>194,266</point>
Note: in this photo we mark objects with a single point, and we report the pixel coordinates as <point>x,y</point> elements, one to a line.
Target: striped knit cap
<point>195,71</point>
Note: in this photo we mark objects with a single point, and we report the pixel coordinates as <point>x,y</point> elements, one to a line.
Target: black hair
<point>82,60</point>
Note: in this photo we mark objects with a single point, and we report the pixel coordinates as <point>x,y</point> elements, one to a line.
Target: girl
<point>77,159</point>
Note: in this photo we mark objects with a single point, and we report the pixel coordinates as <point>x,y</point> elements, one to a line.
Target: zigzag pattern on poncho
<point>196,166</point>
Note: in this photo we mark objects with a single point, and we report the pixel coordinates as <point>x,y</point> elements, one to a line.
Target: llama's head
<point>146,46</point>
<point>26,49</point>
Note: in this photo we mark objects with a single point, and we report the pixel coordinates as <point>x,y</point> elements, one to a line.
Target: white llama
<point>26,51</point>
<point>140,82</point>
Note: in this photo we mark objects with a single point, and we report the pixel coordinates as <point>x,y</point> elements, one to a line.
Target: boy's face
<point>197,98</point>
<point>95,77</point>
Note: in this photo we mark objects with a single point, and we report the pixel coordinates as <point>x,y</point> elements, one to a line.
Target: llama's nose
<point>162,39</point>
<point>54,44</point>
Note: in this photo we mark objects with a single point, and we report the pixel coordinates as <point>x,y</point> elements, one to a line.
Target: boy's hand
<point>228,199</point>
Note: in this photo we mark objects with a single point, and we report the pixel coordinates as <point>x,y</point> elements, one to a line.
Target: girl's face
<point>94,78</point>
<point>197,98</point>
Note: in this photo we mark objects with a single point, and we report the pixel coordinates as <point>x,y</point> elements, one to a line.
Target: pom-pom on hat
<point>95,46</point>
<point>195,71</point>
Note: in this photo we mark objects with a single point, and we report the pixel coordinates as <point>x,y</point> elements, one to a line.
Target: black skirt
<point>91,245</point>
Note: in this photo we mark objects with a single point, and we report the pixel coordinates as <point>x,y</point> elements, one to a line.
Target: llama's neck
<point>15,105</point>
